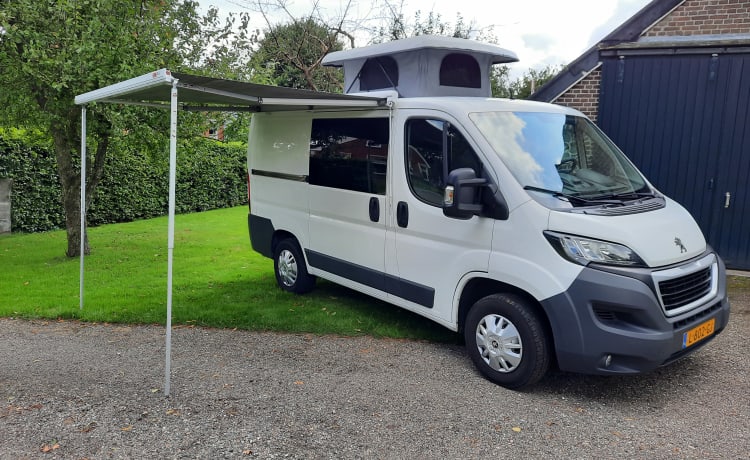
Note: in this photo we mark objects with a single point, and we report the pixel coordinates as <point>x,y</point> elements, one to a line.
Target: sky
<point>540,32</point>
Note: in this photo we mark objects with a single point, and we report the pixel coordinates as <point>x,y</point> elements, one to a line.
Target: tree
<point>290,53</point>
<point>53,50</point>
<point>397,27</point>
<point>500,81</point>
<point>229,48</point>
<point>523,87</point>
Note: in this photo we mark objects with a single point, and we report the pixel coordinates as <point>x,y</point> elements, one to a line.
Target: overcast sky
<point>540,32</point>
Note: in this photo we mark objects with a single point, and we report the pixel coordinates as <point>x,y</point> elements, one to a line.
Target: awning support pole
<point>83,199</point>
<point>170,237</point>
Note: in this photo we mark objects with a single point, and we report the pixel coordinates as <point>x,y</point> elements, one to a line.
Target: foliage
<point>53,50</point>
<point>35,199</point>
<point>229,48</point>
<point>500,81</point>
<point>218,282</point>
<point>290,55</point>
<point>210,175</point>
<point>134,185</point>
<point>397,27</point>
<point>523,87</point>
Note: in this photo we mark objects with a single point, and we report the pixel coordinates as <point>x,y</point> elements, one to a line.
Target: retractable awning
<point>177,91</point>
<point>207,93</point>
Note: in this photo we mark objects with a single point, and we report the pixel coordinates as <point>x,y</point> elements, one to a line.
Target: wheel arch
<point>281,235</point>
<point>288,253</point>
<point>478,288</point>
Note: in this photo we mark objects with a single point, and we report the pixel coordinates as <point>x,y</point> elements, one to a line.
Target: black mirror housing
<point>462,197</point>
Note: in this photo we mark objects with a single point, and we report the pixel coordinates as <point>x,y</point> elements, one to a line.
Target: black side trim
<point>278,175</point>
<point>261,234</point>
<point>413,292</point>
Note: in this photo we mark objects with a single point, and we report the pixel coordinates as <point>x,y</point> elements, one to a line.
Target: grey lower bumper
<point>616,314</point>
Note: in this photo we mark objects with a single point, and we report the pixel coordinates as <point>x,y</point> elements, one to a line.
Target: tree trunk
<point>72,205</point>
<point>66,140</point>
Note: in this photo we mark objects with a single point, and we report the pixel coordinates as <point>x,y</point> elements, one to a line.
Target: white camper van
<point>518,223</point>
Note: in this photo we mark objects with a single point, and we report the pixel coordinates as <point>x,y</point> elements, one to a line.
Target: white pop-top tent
<point>425,65</point>
<point>173,91</point>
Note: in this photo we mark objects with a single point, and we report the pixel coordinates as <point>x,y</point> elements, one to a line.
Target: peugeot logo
<point>678,243</point>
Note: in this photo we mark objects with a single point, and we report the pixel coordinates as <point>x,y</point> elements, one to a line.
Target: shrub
<point>135,184</point>
<point>35,193</point>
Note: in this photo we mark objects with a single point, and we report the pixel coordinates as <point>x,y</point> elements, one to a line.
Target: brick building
<point>671,86</point>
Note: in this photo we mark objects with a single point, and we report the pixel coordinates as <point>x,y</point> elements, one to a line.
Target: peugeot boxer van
<point>517,223</point>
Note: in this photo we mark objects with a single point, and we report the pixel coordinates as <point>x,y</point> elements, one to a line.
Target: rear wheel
<point>506,341</point>
<point>289,266</point>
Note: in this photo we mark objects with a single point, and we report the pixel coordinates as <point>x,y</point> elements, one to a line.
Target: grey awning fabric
<point>206,93</point>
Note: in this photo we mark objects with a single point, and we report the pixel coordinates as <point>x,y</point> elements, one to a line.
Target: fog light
<point>607,360</point>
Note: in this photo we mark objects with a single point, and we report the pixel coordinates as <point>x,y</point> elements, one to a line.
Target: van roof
<point>457,105</point>
<point>497,54</point>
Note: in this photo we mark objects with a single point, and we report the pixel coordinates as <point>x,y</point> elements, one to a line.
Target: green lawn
<point>219,281</point>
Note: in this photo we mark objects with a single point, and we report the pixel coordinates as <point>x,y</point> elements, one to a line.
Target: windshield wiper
<point>624,196</point>
<point>569,197</point>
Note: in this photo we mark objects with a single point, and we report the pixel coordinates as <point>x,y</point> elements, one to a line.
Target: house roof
<point>629,31</point>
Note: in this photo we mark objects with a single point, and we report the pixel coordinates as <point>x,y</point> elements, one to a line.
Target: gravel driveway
<point>72,390</point>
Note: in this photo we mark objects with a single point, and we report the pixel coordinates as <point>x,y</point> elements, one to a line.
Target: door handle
<point>727,199</point>
<point>374,209</point>
<point>402,214</point>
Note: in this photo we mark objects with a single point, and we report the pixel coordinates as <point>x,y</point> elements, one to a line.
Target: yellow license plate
<point>698,333</point>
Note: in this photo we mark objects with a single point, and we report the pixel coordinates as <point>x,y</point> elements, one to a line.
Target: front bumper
<point>611,321</point>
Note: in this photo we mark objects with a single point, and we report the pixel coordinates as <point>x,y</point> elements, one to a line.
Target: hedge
<point>135,185</point>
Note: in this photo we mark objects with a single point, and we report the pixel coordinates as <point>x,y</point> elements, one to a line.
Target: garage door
<point>684,120</point>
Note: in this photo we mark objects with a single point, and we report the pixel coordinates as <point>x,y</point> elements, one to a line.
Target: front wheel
<point>506,340</point>
<point>291,271</point>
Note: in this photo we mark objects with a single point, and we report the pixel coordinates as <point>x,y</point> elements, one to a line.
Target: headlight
<point>584,250</point>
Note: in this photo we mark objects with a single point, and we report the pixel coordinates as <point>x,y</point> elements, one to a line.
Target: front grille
<point>697,317</point>
<point>605,315</point>
<point>679,292</point>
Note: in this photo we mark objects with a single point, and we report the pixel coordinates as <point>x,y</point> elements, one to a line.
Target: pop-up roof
<point>425,65</point>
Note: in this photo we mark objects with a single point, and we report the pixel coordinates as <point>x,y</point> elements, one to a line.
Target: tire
<point>290,269</point>
<point>506,340</point>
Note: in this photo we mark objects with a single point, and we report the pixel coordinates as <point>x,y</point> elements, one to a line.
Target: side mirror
<point>461,199</point>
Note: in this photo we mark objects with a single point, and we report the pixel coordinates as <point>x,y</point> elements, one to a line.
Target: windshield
<point>560,154</point>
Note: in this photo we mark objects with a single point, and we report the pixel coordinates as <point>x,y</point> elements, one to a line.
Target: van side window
<point>349,153</point>
<point>427,144</point>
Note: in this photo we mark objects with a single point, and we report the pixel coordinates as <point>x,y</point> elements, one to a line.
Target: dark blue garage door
<point>684,120</point>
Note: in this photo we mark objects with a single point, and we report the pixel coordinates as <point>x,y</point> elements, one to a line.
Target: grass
<point>218,281</point>
<point>738,283</point>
